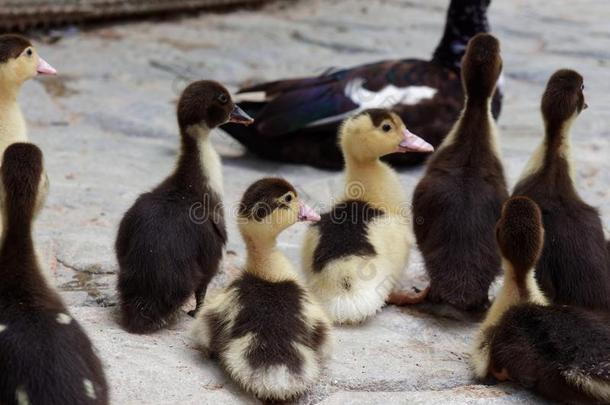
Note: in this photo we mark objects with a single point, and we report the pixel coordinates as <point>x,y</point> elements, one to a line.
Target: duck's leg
<point>200,292</point>
<point>401,298</point>
<point>199,298</point>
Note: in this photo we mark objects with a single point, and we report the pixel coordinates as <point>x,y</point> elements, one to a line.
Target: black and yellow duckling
<point>170,242</point>
<point>45,355</point>
<point>19,62</point>
<point>457,202</point>
<point>561,352</point>
<point>297,120</point>
<point>574,268</point>
<point>265,328</point>
<point>357,253</point>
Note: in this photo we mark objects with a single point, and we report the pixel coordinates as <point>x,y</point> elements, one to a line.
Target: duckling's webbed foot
<point>412,297</point>
<point>501,375</point>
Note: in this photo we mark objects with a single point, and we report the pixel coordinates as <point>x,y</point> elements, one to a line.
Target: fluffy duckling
<point>561,352</point>
<point>458,201</point>
<point>170,242</point>
<point>355,255</point>
<point>574,268</point>
<point>45,355</point>
<point>19,62</point>
<point>297,120</point>
<point>266,329</point>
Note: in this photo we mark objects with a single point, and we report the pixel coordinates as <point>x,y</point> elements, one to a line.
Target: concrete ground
<point>108,131</point>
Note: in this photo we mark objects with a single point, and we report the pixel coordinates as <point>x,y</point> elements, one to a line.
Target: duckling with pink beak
<point>356,254</point>
<point>19,62</point>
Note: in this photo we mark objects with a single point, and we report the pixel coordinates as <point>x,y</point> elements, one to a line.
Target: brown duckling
<point>458,201</point>
<point>561,352</point>
<point>45,355</point>
<point>574,268</point>
<point>170,242</point>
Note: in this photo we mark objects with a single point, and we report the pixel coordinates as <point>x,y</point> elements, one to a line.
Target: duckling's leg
<point>200,292</point>
<point>401,298</point>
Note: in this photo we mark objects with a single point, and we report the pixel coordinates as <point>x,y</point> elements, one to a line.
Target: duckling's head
<point>269,206</point>
<point>520,234</point>
<point>207,104</point>
<point>481,66</point>
<point>23,186</point>
<point>377,132</point>
<point>563,98</point>
<point>19,60</point>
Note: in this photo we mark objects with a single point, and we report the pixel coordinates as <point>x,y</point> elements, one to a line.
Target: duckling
<point>170,242</point>
<point>45,355</point>
<point>458,201</point>
<point>574,268</point>
<point>560,352</point>
<point>297,120</point>
<point>19,62</point>
<point>355,255</point>
<point>265,328</point>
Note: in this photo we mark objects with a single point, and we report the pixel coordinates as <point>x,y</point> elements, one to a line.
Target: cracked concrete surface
<point>108,131</point>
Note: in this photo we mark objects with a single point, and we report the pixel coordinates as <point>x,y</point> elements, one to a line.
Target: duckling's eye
<point>288,198</point>
<point>582,87</point>
<point>223,98</point>
<point>29,52</point>
<point>386,127</point>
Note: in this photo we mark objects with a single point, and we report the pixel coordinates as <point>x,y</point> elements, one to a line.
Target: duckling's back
<point>269,336</point>
<point>562,352</point>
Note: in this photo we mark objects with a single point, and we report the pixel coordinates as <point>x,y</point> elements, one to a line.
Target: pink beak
<point>306,213</point>
<point>44,68</point>
<point>413,143</point>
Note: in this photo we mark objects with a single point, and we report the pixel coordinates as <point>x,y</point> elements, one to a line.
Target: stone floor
<point>107,128</point>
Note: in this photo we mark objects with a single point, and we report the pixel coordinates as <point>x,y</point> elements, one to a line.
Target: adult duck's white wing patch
<point>387,97</point>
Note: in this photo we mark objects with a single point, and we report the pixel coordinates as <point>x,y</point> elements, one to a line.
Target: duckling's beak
<point>413,143</point>
<point>44,68</point>
<point>306,213</point>
<point>239,116</point>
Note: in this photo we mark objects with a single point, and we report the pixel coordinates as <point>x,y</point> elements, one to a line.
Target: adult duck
<point>297,120</point>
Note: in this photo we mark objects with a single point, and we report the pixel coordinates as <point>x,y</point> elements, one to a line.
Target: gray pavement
<point>108,131</point>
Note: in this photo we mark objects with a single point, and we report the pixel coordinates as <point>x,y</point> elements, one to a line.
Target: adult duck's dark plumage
<point>297,120</point>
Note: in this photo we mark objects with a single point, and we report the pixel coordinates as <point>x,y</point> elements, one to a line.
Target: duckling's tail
<point>353,290</point>
<point>594,380</point>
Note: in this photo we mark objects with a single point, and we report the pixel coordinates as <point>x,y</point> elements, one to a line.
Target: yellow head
<point>374,133</point>
<point>19,61</point>
<point>269,206</point>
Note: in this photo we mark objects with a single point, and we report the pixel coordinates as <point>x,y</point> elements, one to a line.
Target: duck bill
<point>306,213</point>
<point>239,116</point>
<point>44,68</point>
<point>413,143</point>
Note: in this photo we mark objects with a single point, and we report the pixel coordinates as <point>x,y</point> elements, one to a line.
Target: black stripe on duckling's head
<point>481,66</point>
<point>563,98</point>
<point>377,132</point>
<point>208,104</point>
<point>11,46</point>
<point>520,234</point>
<point>23,184</point>
<point>273,204</point>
